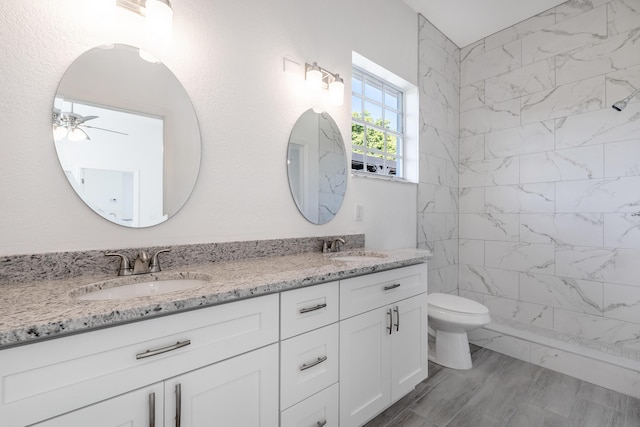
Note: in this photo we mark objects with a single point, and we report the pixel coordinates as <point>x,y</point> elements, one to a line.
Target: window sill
<point>389,178</point>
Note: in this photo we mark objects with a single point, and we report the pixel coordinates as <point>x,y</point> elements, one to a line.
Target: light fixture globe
<point>336,90</point>
<point>159,19</point>
<point>77,134</point>
<point>314,77</point>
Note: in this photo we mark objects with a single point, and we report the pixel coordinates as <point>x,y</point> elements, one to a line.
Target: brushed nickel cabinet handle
<point>306,366</point>
<point>178,404</point>
<point>152,410</point>
<point>397,311</point>
<point>390,327</point>
<point>314,308</point>
<point>389,287</point>
<point>150,353</point>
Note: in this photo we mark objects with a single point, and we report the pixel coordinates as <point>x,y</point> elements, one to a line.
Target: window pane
<point>392,99</point>
<point>373,113</point>
<point>399,145</point>
<point>356,84</point>
<point>356,107</point>
<point>375,140</point>
<point>357,134</point>
<point>390,166</point>
<point>392,144</point>
<point>391,121</point>
<point>373,91</point>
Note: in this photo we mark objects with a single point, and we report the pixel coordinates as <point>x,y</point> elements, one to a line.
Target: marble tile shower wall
<point>549,173</point>
<point>439,83</point>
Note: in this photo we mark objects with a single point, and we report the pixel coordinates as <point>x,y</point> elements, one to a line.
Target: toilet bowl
<point>450,318</point>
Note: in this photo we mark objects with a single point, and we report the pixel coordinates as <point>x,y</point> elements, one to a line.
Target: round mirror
<point>317,166</point>
<point>126,135</point>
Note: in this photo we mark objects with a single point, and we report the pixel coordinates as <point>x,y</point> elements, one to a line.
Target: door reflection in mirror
<point>118,170</point>
<point>317,166</point>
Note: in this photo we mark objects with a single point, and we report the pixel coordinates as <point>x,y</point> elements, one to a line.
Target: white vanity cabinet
<point>383,341</point>
<point>309,356</point>
<point>333,354</point>
<point>49,378</point>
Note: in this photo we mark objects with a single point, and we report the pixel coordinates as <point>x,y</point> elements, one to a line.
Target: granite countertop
<point>48,309</point>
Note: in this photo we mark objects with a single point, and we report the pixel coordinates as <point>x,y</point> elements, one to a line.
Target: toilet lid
<point>456,303</point>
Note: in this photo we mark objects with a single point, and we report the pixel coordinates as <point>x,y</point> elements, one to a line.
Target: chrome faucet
<point>142,264</point>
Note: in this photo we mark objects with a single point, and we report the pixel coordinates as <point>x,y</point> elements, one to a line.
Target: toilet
<point>450,318</point>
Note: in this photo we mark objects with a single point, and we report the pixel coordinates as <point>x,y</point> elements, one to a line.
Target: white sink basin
<point>134,290</point>
<point>357,257</point>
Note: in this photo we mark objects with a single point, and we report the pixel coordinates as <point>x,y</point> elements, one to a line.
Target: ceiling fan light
<point>77,134</point>
<point>59,132</point>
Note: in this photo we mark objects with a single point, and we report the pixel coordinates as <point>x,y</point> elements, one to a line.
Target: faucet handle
<point>325,245</point>
<point>335,244</point>
<point>125,268</point>
<point>154,265</point>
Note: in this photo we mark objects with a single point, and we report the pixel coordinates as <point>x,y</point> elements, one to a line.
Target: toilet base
<point>451,350</point>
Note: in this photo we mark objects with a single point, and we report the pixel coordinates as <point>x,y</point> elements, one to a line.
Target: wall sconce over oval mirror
<point>317,166</point>
<point>126,135</point>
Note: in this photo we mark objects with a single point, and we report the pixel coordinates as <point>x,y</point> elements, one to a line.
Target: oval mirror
<point>126,135</point>
<point>317,166</point>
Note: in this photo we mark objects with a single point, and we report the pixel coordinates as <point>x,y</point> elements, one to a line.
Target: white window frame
<point>409,153</point>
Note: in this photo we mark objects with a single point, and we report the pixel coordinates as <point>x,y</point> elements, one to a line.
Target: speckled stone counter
<point>49,308</point>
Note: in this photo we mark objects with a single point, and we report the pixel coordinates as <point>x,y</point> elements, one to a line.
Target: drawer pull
<point>321,423</point>
<point>152,410</point>
<point>314,363</point>
<point>157,351</point>
<point>309,309</point>
<point>389,287</point>
<point>397,325</point>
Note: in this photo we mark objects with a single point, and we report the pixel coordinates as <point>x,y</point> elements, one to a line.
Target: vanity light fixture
<point>158,16</point>
<point>318,78</point>
<point>621,105</point>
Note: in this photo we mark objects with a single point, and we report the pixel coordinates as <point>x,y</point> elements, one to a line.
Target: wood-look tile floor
<point>500,391</point>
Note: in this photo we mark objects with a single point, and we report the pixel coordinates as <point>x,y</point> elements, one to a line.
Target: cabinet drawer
<point>318,410</point>
<point>308,308</point>
<point>308,364</point>
<point>45,379</point>
<point>364,293</point>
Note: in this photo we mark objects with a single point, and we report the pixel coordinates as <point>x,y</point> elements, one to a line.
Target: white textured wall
<point>228,55</point>
<point>549,172</point>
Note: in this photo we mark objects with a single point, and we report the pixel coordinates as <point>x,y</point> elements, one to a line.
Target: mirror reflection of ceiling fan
<point>68,125</point>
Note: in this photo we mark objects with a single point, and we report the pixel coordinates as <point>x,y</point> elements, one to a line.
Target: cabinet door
<point>139,408</point>
<point>409,343</point>
<point>239,392</point>
<point>365,366</point>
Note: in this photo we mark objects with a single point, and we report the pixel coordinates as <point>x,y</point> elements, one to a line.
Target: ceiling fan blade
<point>86,118</point>
<point>107,130</point>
